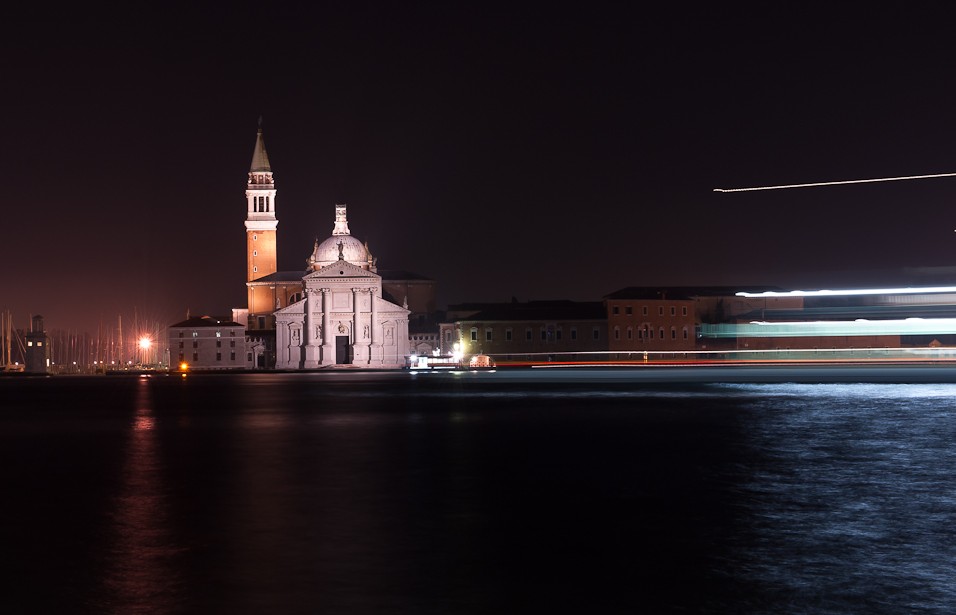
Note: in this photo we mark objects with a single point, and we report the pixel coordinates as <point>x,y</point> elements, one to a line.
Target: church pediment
<point>293,308</point>
<point>341,270</point>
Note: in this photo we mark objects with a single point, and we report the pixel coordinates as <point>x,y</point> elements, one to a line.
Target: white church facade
<point>342,318</point>
<point>332,314</point>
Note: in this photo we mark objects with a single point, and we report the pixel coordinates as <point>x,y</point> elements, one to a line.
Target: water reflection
<point>141,574</point>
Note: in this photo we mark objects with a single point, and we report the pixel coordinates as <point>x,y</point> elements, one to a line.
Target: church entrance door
<point>343,350</point>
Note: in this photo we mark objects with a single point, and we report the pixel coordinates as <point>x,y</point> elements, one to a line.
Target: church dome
<point>341,245</point>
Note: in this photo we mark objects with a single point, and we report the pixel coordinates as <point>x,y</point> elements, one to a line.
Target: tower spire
<point>260,159</point>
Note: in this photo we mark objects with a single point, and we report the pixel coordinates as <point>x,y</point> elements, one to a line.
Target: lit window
<point>29,343</point>
<point>195,334</point>
<point>39,343</point>
<point>218,333</point>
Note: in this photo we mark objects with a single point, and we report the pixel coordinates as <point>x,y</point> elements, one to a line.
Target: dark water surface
<point>475,493</point>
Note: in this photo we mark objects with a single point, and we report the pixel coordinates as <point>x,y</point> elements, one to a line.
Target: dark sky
<point>502,151</point>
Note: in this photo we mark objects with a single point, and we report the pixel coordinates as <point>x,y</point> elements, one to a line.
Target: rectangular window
<point>544,335</point>
<point>685,334</point>
<point>232,356</point>
<point>218,343</point>
<point>557,334</point>
<point>218,333</point>
<point>596,333</point>
<point>628,310</point>
<point>219,356</point>
<point>615,310</point>
<point>195,356</point>
<point>630,333</point>
<point>180,344</point>
<point>507,335</point>
<point>195,344</point>
<point>574,333</point>
<point>29,343</point>
<point>180,334</point>
<point>232,334</point>
<point>180,357</point>
<point>617,333</point>
<point>644,310</point>
<point>683,311</point>
<point>232,343</point>
<point>673,311</point>
<point>660,311</point>
<point>527,334</point>
<point>474,335</point>
<point>487,335</point>
<point>249,357</point>
<point>195,334</point>
<point>673,333</point>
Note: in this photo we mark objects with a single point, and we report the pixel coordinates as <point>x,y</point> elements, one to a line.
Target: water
<point>476,493</point>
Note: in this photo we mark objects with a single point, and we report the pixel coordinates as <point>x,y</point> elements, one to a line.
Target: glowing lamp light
<point>183,366</point>
<point>145,343</point>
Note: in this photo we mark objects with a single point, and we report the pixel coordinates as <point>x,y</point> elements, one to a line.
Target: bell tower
<point>261,226</point>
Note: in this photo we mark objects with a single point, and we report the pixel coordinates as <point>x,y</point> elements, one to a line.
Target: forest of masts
<point>82,352</point>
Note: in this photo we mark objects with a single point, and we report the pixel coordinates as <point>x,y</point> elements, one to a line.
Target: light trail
<point>836,183</point>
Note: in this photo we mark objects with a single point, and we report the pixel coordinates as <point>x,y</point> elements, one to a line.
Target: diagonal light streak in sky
<point>836,183</point>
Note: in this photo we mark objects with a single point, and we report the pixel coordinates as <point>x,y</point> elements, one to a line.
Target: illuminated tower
<point>261,226</point>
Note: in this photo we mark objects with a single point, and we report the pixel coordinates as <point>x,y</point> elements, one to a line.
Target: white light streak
<point>850,292</point>
<point>837,183</point>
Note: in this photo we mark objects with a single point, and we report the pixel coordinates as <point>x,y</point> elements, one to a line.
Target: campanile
<point>261,226</point>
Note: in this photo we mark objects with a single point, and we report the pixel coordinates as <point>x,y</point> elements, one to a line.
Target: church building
<point>333,313</point>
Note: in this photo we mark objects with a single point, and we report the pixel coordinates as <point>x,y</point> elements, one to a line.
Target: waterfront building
<point>211,343</point>
<point>37,355</point>
<point>529,328</point>
<point>642,318</point>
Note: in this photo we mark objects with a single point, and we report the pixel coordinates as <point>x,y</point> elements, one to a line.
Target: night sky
<point>502,151</point>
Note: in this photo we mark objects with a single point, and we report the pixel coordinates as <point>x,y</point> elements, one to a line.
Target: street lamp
<point>144,344</point>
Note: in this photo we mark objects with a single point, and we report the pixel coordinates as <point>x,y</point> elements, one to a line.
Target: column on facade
<point>375,349</point>
<point>358,344</point>
<point>309,341</point>
<point>327,338</point>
